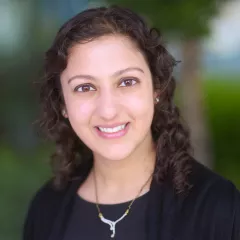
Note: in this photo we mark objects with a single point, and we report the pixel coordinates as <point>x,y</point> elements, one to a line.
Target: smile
<point>113,131</point>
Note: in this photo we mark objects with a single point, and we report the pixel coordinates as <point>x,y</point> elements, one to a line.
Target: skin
<point>109,97</point>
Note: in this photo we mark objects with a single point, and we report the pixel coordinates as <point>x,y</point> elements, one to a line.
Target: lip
<point>118,134</point>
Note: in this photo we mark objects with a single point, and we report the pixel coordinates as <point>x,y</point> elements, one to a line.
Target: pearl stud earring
<point>64,113</point>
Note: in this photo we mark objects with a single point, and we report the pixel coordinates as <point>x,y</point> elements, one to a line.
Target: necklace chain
<point>113,223</point>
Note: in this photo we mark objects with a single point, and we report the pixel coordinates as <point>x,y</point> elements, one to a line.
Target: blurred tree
<point>187,21</point>
<point>26,31</point>
<point>20,61</point>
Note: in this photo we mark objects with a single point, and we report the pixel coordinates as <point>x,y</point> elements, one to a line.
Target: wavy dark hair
<point>170,136</point>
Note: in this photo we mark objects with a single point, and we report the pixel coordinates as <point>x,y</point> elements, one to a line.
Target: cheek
<point>141,109</point>
<point>79,112</point>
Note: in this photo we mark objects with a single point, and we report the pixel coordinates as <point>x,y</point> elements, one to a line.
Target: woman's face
<point>109,97</point>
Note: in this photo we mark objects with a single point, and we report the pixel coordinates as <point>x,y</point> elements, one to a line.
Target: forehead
<point>105,54</point>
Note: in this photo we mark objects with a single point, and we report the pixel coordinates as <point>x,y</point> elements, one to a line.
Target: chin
<point>116,152</point>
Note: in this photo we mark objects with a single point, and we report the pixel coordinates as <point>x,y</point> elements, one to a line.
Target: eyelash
<point>81,86</point>
<point>132,79</point>
<point>90,86</point>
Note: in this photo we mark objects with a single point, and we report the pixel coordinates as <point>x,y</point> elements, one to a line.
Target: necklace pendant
<point>112,224</point>
<point>113,230</point>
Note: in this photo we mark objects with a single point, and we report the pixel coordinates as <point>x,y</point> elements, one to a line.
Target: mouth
<point>112,132</point>
<point>113,129</point>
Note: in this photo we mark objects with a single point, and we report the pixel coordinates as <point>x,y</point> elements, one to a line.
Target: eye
<point>84,88</point>
<point>128,82</point>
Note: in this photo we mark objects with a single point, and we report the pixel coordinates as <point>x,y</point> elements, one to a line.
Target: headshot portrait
<point>123,165</point>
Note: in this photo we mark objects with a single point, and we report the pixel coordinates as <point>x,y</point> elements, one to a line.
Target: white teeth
<point>112,130</point>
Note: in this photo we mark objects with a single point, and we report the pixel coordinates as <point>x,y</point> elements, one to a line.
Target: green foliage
<point>222,99</point>
<point>20,177</point>
<point>182,18</point>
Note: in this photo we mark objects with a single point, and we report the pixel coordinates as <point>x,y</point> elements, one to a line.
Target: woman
<point>123,167</point>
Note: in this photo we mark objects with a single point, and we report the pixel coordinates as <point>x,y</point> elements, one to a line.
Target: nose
<point>107,105</point>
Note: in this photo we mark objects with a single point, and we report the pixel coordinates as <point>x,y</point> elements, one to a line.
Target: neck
<point>126,174</point>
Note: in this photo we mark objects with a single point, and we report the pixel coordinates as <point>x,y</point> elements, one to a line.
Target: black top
<point>211,210</point>
<point>84,220</point>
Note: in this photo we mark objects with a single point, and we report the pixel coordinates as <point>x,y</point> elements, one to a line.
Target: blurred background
<point>203,34</point>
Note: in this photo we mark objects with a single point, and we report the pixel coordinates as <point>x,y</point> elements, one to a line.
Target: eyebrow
<point>118,73</point>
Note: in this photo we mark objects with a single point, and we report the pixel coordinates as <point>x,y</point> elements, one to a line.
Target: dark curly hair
<point>171,137</point>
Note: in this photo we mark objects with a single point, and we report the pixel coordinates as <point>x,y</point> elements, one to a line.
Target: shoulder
<point>43,210</point>
<point>47,193</point>
<point>49,197</point>
<point>206,182</point>
<point>47,203</point>
<point>213,202</point>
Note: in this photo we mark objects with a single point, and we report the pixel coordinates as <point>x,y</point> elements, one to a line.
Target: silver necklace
<point>112,224</point>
